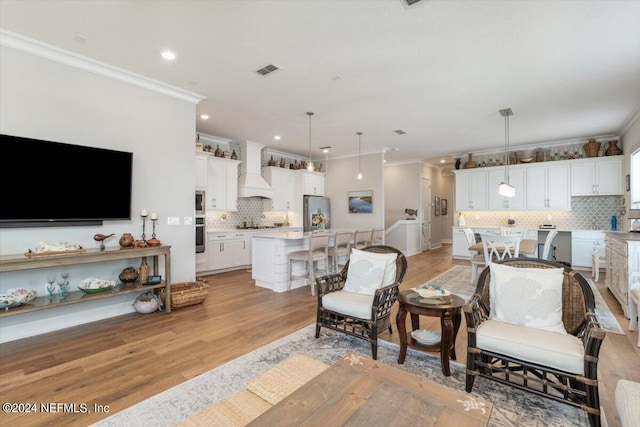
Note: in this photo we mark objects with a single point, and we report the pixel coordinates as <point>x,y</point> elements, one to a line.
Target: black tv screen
<point>47,183</point>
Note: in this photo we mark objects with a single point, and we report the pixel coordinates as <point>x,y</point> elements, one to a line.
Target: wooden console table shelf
<point>22,262</point>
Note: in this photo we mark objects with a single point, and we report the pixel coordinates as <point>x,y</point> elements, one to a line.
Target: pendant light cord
<point>359,154</point>
<point>309,113</point>
<point>506,144</point>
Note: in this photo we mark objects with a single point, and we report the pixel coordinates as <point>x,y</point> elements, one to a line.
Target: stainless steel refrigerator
<point>316,205</point>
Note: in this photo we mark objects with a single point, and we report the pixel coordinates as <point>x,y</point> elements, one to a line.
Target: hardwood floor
<point>118,362</point>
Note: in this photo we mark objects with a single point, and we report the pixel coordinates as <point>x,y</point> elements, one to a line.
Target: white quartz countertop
<point>252,230</point>
<point>293,235</point>
<point>560,230</point>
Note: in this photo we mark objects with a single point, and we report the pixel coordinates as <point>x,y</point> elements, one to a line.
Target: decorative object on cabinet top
<point>612,149</point>
<point>54,249</point>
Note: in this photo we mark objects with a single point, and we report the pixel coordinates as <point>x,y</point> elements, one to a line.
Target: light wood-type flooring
<point>118,362</point>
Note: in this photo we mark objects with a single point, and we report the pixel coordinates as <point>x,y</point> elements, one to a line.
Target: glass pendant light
<point>310,164</point>
<point>505,189</point>
<point>359,155</point>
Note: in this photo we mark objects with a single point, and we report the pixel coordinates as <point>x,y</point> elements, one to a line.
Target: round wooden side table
<point>450,314</point>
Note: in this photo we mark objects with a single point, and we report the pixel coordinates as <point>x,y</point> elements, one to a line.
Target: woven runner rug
<point>512,407</point>
<point>457,280</point>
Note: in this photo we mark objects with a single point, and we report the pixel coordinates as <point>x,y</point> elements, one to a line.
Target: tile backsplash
<point>250,209</point>
<point>587,213</point>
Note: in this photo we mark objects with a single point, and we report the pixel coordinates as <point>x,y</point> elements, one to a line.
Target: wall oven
<point>200,234</point>
<point>200,202</point>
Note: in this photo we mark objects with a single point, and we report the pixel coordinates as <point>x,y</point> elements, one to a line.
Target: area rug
<point>457,280</point>
<point>512,407</point>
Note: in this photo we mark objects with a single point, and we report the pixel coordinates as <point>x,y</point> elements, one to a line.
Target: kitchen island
<point>270,266</point>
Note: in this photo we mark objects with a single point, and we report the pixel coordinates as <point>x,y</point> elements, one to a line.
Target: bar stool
<point>634,309</point>
<point>318,251</point>
<point>597,260</point>
<point>363,238</point>
<point>341,247</point>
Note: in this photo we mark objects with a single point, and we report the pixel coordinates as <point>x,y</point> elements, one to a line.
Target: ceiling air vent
<point>267,69</point>
<point>410,2</point>
<point>399,131</point>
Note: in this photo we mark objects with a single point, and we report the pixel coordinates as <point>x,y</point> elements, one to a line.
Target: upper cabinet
<point>598,176</point>
<point>202,167</point>
<point>222,193</point>
<point>472,189</point>
<point>311,183</point>
<point>283,182</point>
<point>547,186</point>
<point>517,178</point>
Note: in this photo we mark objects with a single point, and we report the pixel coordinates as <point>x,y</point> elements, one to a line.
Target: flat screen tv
<point>45,183</point>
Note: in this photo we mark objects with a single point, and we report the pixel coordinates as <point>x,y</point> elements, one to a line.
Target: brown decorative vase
<point>144,270</point>
<point>613,149</point>
<point>470,164</point>
<point>126,240</point>
<point>154,242</point>
<point>591,148</point>
<point>128,275</point>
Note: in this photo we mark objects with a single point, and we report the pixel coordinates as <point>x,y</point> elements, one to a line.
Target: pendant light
<point>505,189</point>
<point>359,155</point>
<point>310,164</point>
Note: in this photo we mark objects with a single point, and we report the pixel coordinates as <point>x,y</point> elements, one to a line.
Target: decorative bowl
<point>425,336</point>
<point>526,159</point>
<point>16,297</point>
<point>431,291</point>
<point>8,301</point>
<point>93,285</point>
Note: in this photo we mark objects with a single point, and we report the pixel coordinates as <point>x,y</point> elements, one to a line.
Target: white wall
<point>630,142</point>
<point>402,191</point>
<point>341,178</point>
<point>48,100</point>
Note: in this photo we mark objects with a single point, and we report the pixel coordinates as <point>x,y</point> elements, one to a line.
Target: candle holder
<point>153,222</point>
<point>144,223</point>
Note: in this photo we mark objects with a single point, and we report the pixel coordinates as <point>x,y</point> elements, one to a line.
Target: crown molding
<point>633,117</point>
<point>37,48</point>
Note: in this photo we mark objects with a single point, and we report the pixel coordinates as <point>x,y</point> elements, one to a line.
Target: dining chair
<point>505,231</point>
<point>548,244</point>
<point>597,260</point>
<point>476,259</point>
<point>499,247</point>
<point>318,251</point>
<point>363,238</point>
<point>341,247</point>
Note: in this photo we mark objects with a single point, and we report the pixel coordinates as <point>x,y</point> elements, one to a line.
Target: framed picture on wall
<point>436,204</point>
<point>361,201</point>
<point>443,206</point>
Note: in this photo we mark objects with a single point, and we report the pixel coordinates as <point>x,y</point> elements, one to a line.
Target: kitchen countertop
<point>251,230</point>
<point>559,230</point>
<point>624,235</point>
<point>294,235</point>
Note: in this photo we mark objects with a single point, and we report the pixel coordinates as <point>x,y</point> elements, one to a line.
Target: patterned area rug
<point>458,281</point>
<point>512,407</point>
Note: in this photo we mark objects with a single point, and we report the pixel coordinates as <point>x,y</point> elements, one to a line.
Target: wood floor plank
<point>123,360</point>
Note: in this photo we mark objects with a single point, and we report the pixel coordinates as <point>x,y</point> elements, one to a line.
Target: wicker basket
<point>591,148</point>
<point>186,293</point>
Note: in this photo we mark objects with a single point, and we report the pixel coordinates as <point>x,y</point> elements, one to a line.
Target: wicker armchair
<point>579,388</point>
<point>365,327</point>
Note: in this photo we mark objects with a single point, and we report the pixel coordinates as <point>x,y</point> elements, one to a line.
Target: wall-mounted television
<point>46,183</point>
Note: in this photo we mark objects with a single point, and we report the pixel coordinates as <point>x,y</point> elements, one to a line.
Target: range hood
<point>251,182</point>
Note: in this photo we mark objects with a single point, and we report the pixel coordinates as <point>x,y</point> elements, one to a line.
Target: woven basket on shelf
<point>591,148</point>
<point>186,293</point>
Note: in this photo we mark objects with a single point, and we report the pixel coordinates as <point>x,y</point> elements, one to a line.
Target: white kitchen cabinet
<point>598,176</point>
<point>222,191</point>
<point>582,247</point>
<point>241,249</point>
<point>517,179</point>
<point>472,190</point>
<point>202,170</point>
<point>307,182</point>
<point>622,264</point>
<point>219,251</point>
<point>202,263</point>
<point>283,182</point>
<point>548,187</point>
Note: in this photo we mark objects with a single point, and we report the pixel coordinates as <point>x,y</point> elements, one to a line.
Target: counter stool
<point>597,260</point>
<point>377,238</point>
<point>634,310</point>
<point>318,251</point>
<point>341,248</point>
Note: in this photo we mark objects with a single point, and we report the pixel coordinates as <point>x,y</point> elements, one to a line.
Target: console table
<point>22,262</point>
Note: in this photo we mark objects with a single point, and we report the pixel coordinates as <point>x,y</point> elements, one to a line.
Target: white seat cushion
<point>628,402</point>
<point>349,303</point>
<point>561,351</point>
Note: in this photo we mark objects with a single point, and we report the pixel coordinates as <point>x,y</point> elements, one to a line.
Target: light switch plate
<point>188,220</point>
<point>173,220</point>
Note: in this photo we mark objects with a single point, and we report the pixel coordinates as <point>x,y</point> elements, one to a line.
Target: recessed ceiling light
<point>277,137</point>
<point>326,148</point>
<point>204,116</point>
<point>442,161</point>
<point>168,55</point>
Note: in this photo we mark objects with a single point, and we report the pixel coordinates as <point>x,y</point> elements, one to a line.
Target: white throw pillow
<point>369,271</point>
<point>530,297</point>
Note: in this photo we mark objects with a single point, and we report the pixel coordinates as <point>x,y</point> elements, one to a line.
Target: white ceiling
<point>439,70</point>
